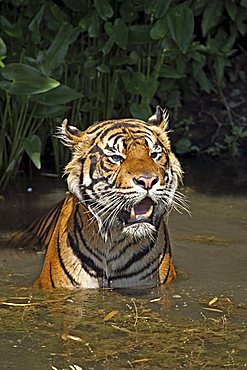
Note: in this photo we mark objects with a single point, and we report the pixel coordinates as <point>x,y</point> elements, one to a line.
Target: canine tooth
<point>149,212</point>
<point>132,213</point>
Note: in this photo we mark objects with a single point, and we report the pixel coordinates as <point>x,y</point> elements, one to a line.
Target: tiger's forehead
<point>113,132</point>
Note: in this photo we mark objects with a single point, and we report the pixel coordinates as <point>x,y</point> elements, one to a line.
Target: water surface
<point>199,322</point>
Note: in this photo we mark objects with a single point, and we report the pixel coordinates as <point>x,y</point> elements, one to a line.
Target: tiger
<point>110,231</point>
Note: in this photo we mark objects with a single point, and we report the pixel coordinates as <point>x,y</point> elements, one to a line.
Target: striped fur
<point>110,229</point>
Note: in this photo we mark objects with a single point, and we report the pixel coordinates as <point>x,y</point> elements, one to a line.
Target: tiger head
<point>124,172</point>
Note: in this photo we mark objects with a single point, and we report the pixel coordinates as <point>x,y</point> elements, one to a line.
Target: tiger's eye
<point>116,158</point>
<point>154,155</point>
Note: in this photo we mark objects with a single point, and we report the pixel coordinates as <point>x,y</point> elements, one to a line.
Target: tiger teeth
<point>148,214</point>
<point>132,214</point>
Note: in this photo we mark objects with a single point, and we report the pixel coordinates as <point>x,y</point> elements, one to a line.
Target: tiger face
<point>124,173</point>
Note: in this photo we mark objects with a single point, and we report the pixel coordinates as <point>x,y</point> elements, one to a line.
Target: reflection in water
<point>198,322</point>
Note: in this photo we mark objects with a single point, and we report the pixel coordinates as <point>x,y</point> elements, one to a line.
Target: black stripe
<point>51,278</point>
<point>103,167</point>
<point>99,125</point>
<point>150,273</point>
<point>167,274</point>
<point>86,262</point>
<point>46,231</point>
<point>93,162</point>
<point>136,257</point>
<point>121,125</point>
<point>135,273</point>
<point>121,252</point>
<point>78,229</point>
<point>117,135</point>
<point>71,279</point>
<point>96,149</point>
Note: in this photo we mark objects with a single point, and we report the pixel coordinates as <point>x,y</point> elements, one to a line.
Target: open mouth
<point>141,212</point>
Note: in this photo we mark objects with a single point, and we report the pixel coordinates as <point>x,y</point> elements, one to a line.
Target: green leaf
<point>120,33</point>
<point>108,46</point>
<point>160,29</point>
<point>241,22</point>
<point>94,27</point>
<point>211,15</point>
<point>104,9</point>
<point>85,22</point>
<point>201,77</point>
<point>60,95</point>
<point>140,111</point>
<point>3,48</point>
<point>139,84</point>
<point>170,72</point>
<point>25,80</point>
<point>34,26</point>
<point>44,111</point>
<point>231,9</point>
<point>58,14</point>
<point>13,30</point>
<point>219,65</point>
<point>59,47</point>
<point>181,25</point>
<point>139,34</point>
<point>103,68</point>
<point>32,147</point>
<point>160,7</point>
<point>184,146</point>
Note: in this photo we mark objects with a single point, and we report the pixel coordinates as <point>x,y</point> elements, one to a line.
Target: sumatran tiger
<point>110,231</point>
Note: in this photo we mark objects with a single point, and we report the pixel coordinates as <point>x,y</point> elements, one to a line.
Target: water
<point>199,322</point>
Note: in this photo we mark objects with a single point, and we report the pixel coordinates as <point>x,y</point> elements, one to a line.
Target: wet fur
<point>89,245</point>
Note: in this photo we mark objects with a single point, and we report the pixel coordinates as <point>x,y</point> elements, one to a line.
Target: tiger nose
<point>146,181</point>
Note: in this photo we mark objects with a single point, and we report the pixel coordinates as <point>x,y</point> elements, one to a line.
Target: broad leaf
<point>157,7</point>
<point>139,84</point>
<point>121,33</point>
<point>181,25</point>
<point>139,34</point>
<point>59,47</point>
<point>231,9</point>
<point>32,147</point>
<point>104,9</point>
<point>60,95</point>
<point>141,111</point>
<point>34,26</point>
<point>94,27</point>
<point>13,30</point>
<point>25,80</point>
<point>43,111</point>
<point>211,15</point>
<point>170,72</point>
<point>160,29</point>
<point>3,48</point>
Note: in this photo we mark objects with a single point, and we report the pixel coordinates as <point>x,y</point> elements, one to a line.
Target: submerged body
<point>77,256</point>
<point>110,230</point>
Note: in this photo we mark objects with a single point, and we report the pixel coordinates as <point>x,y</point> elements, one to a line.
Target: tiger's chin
<point>139,231</point>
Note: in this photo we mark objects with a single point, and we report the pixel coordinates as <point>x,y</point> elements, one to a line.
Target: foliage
<point>92,60</point>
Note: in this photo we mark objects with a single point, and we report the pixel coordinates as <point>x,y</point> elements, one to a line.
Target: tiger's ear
<point>69,135</point>
<point>160,118</point>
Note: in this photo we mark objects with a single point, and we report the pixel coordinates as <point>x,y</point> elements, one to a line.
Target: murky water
<point>197,323</point>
